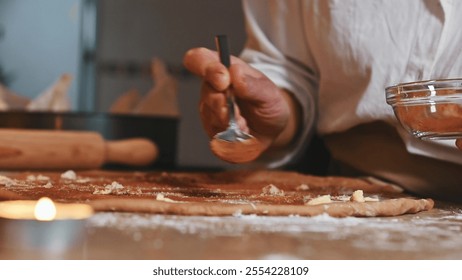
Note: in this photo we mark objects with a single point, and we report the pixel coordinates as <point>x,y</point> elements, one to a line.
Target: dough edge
<point>384,208</point>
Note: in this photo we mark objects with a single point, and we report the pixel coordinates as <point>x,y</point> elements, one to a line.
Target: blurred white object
<point>126,102</point>
<point>161,100</point>
<point>55,98</point>
<point>10,100</point>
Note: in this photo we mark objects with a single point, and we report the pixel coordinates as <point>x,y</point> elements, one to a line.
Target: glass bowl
<point>428,109</point>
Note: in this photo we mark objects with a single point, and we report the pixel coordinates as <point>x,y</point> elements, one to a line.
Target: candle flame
<point>45,209</point>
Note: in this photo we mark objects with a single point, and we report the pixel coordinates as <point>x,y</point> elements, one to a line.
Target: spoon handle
<point>230,103</point>
<point>222,44</point>
<point>223,52</point>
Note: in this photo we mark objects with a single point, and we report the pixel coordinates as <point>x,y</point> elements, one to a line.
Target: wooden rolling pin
<point>51,149</point>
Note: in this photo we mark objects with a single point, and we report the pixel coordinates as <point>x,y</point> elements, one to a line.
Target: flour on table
<point>238,213</point>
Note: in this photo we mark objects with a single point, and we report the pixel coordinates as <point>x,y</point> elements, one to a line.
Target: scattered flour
<point>229,225</point>
<point>238,213</point>
<point>418,235</point>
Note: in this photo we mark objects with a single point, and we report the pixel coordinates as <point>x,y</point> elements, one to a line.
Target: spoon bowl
<point>232,134</point>
<point>233,144</point>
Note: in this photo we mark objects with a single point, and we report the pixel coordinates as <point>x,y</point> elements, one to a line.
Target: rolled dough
<point>216,193</point>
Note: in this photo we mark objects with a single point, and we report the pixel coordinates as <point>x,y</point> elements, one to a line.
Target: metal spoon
<point>233,144</point>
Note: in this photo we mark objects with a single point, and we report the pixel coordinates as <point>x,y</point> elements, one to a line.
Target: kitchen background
<point>107,47</point>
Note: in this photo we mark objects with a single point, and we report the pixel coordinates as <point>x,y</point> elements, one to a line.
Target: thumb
<point>206,64</point>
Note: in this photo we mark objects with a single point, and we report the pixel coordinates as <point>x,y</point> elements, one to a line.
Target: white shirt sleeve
<point>337,57</point>
<point>269,48</point>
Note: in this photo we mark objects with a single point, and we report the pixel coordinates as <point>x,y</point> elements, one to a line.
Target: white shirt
<point>338,56</point>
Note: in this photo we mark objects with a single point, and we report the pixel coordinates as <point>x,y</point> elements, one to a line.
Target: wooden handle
<point>136,151</point>
<point>50,149</point>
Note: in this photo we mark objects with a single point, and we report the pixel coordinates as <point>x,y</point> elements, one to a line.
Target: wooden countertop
<point>435,234</point>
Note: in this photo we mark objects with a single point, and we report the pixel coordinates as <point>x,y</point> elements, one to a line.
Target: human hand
<point>263,110</point>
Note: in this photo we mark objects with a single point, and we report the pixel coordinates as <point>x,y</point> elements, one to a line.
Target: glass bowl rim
<point>408,86</point>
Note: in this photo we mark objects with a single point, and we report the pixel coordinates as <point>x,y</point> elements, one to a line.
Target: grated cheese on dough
<point>357,196</point>
<point>7,182</point>
<point>161,197</point>
<point>302,187</point>
<point>113,188</point>
<point>272,190</point>
<point>323,199</point>
<point>69,175</point>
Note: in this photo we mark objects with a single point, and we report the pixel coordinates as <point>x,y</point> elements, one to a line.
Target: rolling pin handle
<point>135,152</point>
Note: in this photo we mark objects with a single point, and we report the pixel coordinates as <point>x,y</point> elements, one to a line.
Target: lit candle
<point>43,210</point>
<point>43,228</point>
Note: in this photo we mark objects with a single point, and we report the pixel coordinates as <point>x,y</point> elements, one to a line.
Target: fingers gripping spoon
<point>233,144</point>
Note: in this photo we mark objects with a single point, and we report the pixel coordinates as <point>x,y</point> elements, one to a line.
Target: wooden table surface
<point>436,234</point>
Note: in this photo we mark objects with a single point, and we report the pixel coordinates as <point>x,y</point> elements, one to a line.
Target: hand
<point>264,110</point>
<point>459,143</point>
